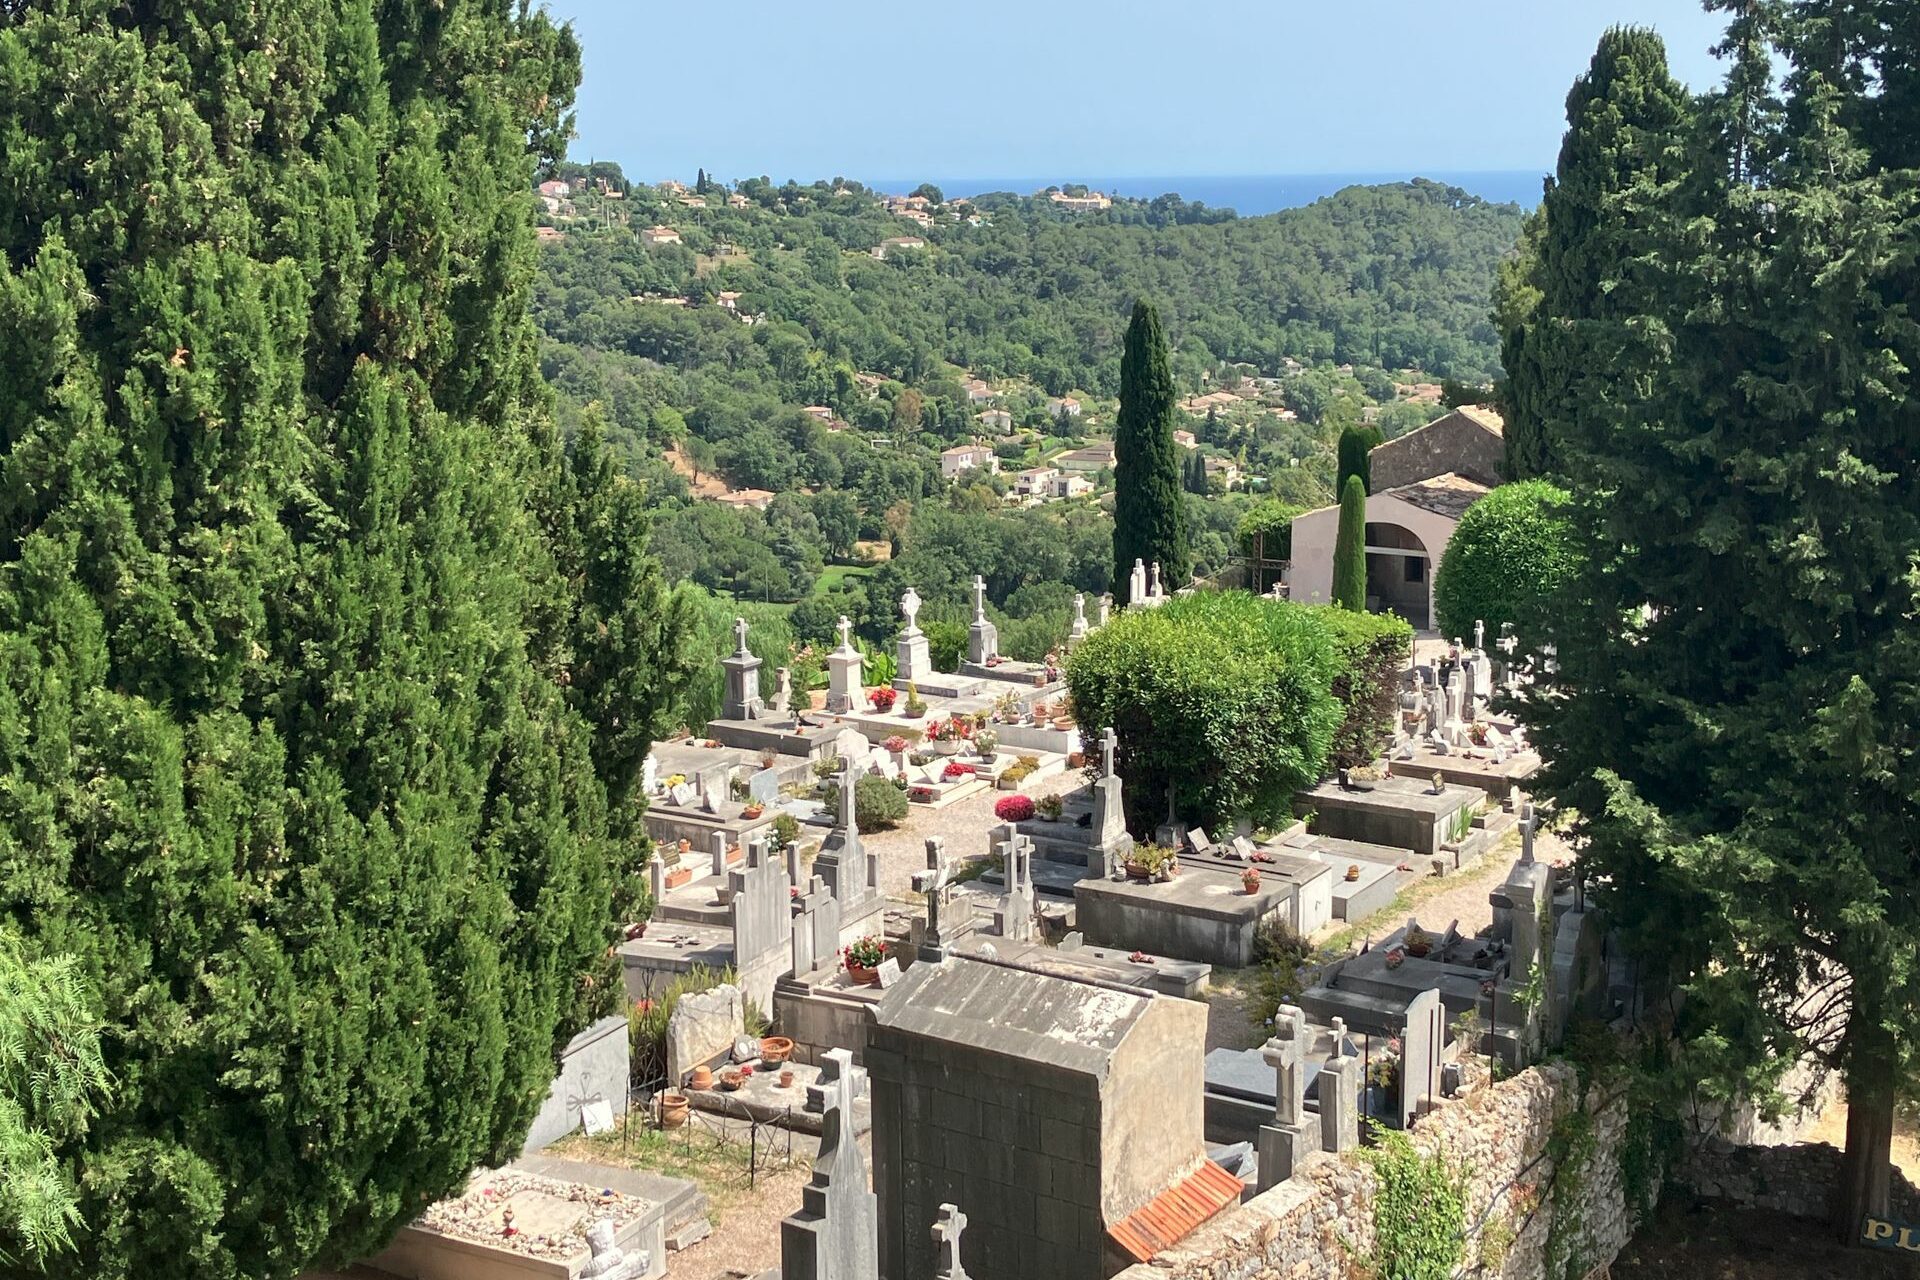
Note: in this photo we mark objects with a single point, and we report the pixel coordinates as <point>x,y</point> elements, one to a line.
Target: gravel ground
<point>964,826</point>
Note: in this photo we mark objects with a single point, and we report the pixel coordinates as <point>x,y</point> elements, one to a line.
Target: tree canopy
<point>1149,520</point>
<point>1735,718</point>
<point>324,670</point>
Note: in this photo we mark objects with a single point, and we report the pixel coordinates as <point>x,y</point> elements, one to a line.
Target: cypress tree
<point>1736,723</point>
<point>1149,523</point>
<point>1355,457</point>
<point>308,724</point>
<point>1562,303</point>
<point>1350,548</point>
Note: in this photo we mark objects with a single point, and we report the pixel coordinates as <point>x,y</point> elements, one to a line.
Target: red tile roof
<point>1175,1213</point>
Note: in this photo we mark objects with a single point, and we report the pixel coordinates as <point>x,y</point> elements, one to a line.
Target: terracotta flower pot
<point>786,1078</point>
<point>1353,871</point>
<point>702,1078</point>
<point>775,1050</point>
<point>732,1078</point>
<point>673,1109</point>
<point>679,876</point>
<point>861,976</point>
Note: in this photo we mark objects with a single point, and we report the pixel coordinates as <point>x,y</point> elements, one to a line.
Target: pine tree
<point>1737,724</point>
<point>1350,548</point>
<point>1356,457</point>
<point>1149,522</point>
<point>1562,304</point>
<point>307,722</point>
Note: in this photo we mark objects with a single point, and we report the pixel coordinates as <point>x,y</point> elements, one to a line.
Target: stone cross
<point>1286,1054</point>
<point>946,1244</point>
<point>783,696</point>
<point>1104,610</point>
<point>1154,588</point>
<point>846,632</point>
<point>740,636</point>
<point>910,610</point>
<point>1109,751</point>
<point>849,820</point>
<point>1479,636</point>
<point>1527,826</point>
<point>836,1233</point>
<point>1339,1038</point>
<point>979,598</point>
<point>1078,631</point>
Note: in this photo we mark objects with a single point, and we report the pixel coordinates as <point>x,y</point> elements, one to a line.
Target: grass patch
<point>696,1153</point>
<point>835,576</point>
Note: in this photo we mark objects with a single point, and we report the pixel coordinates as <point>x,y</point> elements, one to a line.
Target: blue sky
<point>1018,88</point>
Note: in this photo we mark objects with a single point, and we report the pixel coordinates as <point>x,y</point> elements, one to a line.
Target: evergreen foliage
<point>1148,519</point>
<point>1509,554</point>
<point>52,1079</point>
<point>1222,695</point>
<point>1736,722</point>
<point>1355,457</point>
<point>320,663</point>
<point>1562,305</point>
<point>1350,548</point>
<point>1370,651</point>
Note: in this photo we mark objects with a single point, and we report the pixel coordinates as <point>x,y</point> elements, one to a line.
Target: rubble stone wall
<point>1500,1140</point>
<point>1794,1180</point>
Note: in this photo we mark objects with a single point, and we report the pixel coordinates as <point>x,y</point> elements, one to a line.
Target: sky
<point>810,89</point>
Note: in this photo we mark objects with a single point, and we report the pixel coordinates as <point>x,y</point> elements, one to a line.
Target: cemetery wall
<point>1521,1206</point>
<point>1794,1180</point>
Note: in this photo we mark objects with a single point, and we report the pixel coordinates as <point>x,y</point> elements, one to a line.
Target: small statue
<point>507,1229</point>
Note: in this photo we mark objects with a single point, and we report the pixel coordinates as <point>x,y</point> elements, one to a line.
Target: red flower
<point>1013,808</point>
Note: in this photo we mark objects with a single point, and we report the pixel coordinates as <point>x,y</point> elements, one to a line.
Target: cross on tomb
<point>740,636</point>
<point>910,609</point>
<point>1286,1054</point>
<point>846,632</point>
<point>979,598</point>
<point>1528,824</point>
<point>947,1229</point>
<point>1109,752</point>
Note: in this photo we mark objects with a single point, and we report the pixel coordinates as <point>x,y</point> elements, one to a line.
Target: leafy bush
<point>1512,550</point>
<point>1224,696</point>
<point>1273,519</point>
<point>1014,808</point>
<point>1371,650</point>
<point>1419,1212</point>
<point>878,805</point>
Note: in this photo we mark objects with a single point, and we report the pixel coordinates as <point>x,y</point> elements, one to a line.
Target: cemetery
<point>1009,1073</point>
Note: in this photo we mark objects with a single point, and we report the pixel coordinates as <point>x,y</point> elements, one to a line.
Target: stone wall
<point>1499,1138</point>
<point>1794,1180</point>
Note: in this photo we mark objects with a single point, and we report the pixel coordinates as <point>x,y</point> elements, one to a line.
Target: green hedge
<point>1370,652</point>
<point>1224,695</point>
<point>1511,551</point>
<point>1275,519</point>
<point>878,805</point>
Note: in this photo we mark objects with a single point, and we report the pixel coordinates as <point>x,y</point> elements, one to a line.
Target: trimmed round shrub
<point>878,805</point>
<point>1223,696</point>
<point>1015,808</point>
<point>1370,651</point>
<point>1511,551</point>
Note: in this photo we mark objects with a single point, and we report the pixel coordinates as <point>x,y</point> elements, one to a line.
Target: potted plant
<point>775,1050</point>
<point>1353,872</point>
<point>985,741</point>
<point>1050,807</point>
<point>956,772</point>
<point>673,1109</point>
<point>1250,881</point>
<point>1013,808</point>
<point>896,745</point>
<point>916,705</point>
<point>753,810</point>
<point>1396,958</point>
<point>863,958</point>
<point>1418,943</point>
<point>1153,862</point>
<point>883,698</point>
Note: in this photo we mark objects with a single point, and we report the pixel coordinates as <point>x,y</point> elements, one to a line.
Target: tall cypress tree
<point>302,678</point>
<point>1355,457</point>
<point>1149,523</point>
<point>1562,304</point>
<point>1350,548</point>
<point>1737,724</point>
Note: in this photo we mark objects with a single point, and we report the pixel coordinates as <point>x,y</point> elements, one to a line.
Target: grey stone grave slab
<point>764,787</point>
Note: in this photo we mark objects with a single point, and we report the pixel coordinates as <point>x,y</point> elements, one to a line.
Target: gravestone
<point>1078,631</point>
<point>743,701</point>
<point>703,1028</point>
<point>761,924</point>
<point>1421,1045</point>
<point>983,638</point>
<point>1111,843</point>
<point>912,661</point>
<point>1016,911</point>
<point>842,860</point>
<point>815,929</point>
<point>1137,583</point>
<point>947,1229</point>
<point>1528,824</point>
<point>1288,1140</point>
<point>846,695</point>
<point>949,916</point>
<point>763,786</point>
<point>717,853</point>
<point>1105,610</point>
<point>1339,1095</point>
<point>650,774</point>
<point>683,794</point>
<point>836,1233</point>
<point>783,692</point>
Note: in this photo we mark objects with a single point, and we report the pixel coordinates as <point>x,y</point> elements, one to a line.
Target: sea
<point>1247,195</point>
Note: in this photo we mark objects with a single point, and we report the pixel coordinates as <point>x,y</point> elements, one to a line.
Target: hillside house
<point>1225,470</point>
<point>893,244</point>
<point>1056,405</point>
<point>555,189</point>
<point>659,235</point>
<point>978,392</point>
<point>1034,483</point>
<point>1186,440</point>
<point>1095,457</point>
<point>1065,485</point>
<point>998,421</point>
<point>967,457</point>
<point>1093,201</point>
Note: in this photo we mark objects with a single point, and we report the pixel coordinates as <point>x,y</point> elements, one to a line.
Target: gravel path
<point>965,827</point>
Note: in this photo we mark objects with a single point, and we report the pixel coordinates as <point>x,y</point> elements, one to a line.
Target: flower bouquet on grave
<point>922,794</point>
<point>1013,808</point>
<point>1477,733</point>
<point>1153,862</point>
<point>896,745</point>
<point>985,742</point>
<point>884,698</point>
<point>753,810</point>
<point>1050,807</point>
<point>955,771</point>
<point>1396,958</point>
<point>862,959</point>
<point>1250,881</point>
<point>1419,945</point>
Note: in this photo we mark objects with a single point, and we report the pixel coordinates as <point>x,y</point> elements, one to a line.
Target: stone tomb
<point>1202,914</point>
<point>1311,879</point>
<point>1401,812</point>
<point>1375,883</point>
<point>466,1237</point>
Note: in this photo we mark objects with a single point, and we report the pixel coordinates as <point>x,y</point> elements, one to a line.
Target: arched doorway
<point>1399,574</point>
